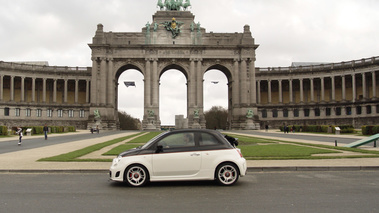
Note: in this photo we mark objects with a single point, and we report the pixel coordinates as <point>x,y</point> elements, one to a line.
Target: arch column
<point>269,91</point>
<point>312,90</point>
<point>76,91</point>
<point>291,90</point>
<point>147,81</point>
<point>44,90</point>
<point>111,84</point>
<point>65,91</point>
<point>301,91</point>
<point>22,89</point>
<point>33,89</point>
<point>55,91</point>
<point>280,92</point>
<point>12,89</point>
<point>236,81</point>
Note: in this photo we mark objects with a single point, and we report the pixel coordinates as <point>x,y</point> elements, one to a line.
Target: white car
<point>181,155</point>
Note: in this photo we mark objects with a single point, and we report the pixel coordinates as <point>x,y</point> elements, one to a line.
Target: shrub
<point>3,130</point>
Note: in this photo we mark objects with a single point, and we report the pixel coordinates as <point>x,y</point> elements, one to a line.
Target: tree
<point>216,118</point>
<point>127,122</point>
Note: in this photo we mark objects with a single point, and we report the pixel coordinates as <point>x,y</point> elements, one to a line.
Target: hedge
<point>3,130</point>
<point>38,130</point>
<point>320,128</point>
<point>370,130</point>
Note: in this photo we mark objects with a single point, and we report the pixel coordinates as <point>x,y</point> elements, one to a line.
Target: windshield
<point>152,140</point>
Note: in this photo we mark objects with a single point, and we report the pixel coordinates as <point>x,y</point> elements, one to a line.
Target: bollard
<point>335,143</point>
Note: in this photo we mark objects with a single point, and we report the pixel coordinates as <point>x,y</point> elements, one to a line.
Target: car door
<point>179,156</point>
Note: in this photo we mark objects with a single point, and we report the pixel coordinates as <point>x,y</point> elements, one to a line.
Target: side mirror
<point>159,149</point>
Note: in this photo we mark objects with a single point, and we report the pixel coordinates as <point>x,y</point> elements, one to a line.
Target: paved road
<point>332,192</point>
<point>31,142</point>
<point>321,138</point>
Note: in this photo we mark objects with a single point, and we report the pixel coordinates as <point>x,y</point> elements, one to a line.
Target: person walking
<point>45,130</point>
<point>19,132</point>
<point>97,129</point>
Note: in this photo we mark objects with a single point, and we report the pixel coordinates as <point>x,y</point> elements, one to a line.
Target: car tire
<point>227,174</point>
<point>136,175</point>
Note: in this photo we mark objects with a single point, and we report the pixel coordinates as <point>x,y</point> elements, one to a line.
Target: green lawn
<point>252,148</point>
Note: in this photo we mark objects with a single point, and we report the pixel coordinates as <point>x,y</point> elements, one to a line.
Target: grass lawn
<point>252,148</point>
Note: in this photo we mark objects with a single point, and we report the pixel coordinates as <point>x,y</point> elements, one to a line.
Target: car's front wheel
<point>227,174</point>
<point>136,175</point>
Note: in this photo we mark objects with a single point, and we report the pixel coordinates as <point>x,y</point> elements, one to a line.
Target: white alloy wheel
<point>227,174</point>
<point>136,175</point>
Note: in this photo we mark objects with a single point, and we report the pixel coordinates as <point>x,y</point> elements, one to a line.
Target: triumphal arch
<point>173,40</point>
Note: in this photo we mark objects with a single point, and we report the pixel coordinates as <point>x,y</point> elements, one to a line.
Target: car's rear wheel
<point>227,174</point>
<point>136,175</point>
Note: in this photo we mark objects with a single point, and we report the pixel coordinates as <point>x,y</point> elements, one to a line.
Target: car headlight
<point>116,160</point>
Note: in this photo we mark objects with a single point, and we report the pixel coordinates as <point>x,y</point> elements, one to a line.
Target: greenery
<point>3,130</point>
<point>252,148</point>
<point>127,122</point>
<point>73,156</point>
<point>370,130</point>
<point>320,128</point>
<point>216,118</point>
<point>136,142</point>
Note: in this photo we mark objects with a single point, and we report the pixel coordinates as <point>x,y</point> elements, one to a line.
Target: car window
<point>178,140</point>
<point>208,140</point>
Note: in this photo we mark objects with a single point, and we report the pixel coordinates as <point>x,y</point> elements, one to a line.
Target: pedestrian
<point>91,130</point>
<point>97,129</point>
<point>293,129</point>
<point>45,130</point>
<point>266,127</point>
<point>19,132</point>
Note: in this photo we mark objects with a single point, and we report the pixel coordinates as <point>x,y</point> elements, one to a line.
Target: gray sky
<point>287,31</point>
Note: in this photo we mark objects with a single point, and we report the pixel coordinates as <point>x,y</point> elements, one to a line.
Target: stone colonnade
<point>34,94</point>
<point>347,91</point>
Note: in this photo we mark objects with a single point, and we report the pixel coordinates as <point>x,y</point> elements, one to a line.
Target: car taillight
<point>239,152</point>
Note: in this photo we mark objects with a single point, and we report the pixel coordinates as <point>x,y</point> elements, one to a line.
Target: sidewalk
<point>26,160</point>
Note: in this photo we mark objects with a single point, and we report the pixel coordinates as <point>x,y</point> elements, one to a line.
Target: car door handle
<point>195,154</point>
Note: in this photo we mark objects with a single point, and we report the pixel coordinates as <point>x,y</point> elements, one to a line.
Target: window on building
<point>17,112</point>
<point>6,111</point>
<point>317,112</point>
<point>71,113</point>
<point>348,110</point>
<point>296,113</point>
<point>285,113</point>
<point>328,111</point>
<point>306,112</point>
<point>28,112</point>
<point>264,113</point>
<point>368,109</point>
<point>49,113</point>
<point>359,110</point>
<point>81,113</point>
<point>39,112</point>
<point>275,113</point>
<point>60,113</point>
<point>338,111</point>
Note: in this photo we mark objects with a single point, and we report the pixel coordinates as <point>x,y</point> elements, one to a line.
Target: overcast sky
<point>287,31</point>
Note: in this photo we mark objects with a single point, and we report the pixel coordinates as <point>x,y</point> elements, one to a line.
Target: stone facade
<point>339,93</point>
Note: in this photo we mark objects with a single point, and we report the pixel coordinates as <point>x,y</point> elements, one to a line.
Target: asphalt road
<point>353,191</point>
<point>321,138</point>
<point>31,142</point>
